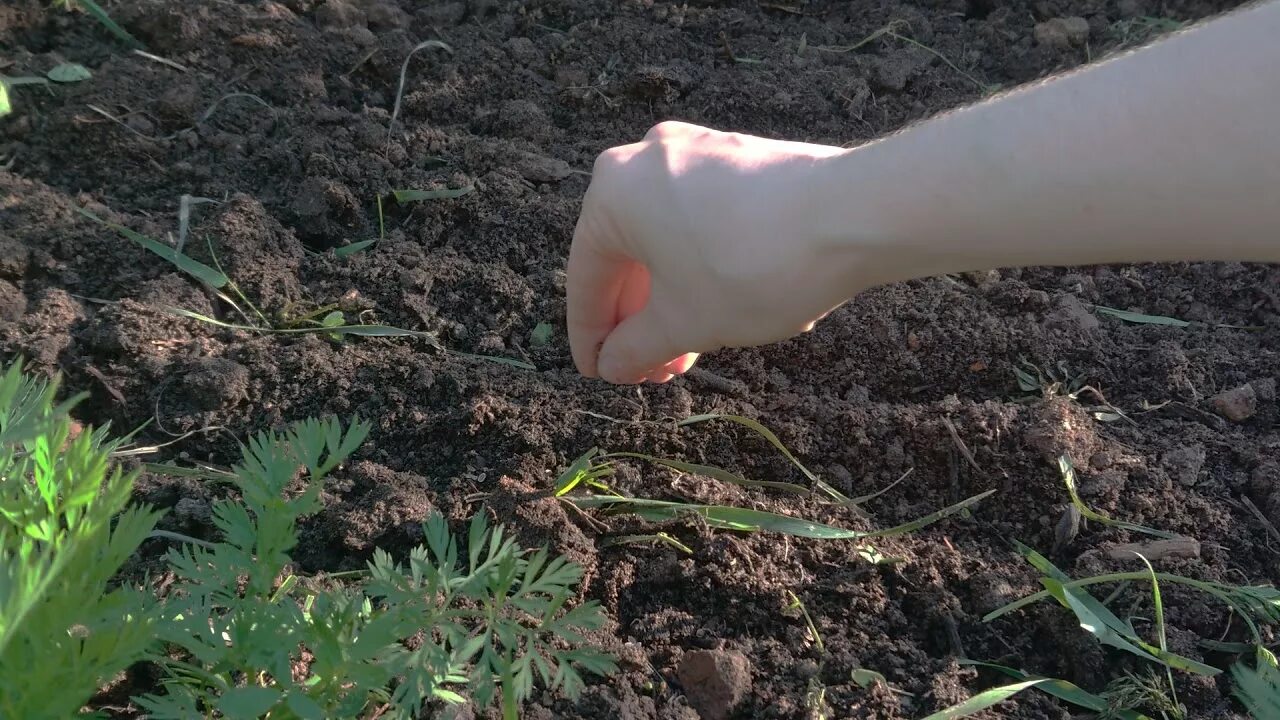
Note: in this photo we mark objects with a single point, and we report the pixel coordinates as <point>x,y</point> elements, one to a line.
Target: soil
<point>282,113</point>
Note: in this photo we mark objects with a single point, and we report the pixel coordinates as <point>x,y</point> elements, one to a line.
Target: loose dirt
<point>283,116</point>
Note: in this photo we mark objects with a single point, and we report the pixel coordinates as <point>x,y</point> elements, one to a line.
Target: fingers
<point>595,281</point>
<point>639,347</point>
<point>681,365</point>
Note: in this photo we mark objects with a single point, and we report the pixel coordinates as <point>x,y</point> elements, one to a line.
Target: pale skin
<point>693,240</point>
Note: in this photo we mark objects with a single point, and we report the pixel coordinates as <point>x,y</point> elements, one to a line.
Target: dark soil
<point>531,92</point>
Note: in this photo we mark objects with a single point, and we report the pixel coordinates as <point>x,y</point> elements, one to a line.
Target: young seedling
<point>815,697</point>
<point>1141,319</point>
<point>1050,383</point>
<point>66,529</point>
<point>591,466</point>
<point>1258,688</point>
<point>895,30</point>
<point>97,13</point>
<point>411,196</point>
<point>1258,603</point>
<point>1069,478</point>
<point>1133,691</point>
<point>404,70</point>
<point>333,325</point>
<point>498,615</point>
<point>1060,689</point>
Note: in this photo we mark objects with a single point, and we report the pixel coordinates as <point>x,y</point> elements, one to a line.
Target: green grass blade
<point>408,196</point>
<point>758,428</point>
<point>1069,477</point>
<point>1103,624</point>
<point>1158,601</point>
<point>69,73</point>
<point>353,248</point>
<point>1061,689</point>
<point>719,516</point>
<point>196,269</point>
<point>1258,689</point>
<point>931,518</point>
<point>747,520</point>
<point>361,330</point>
<point>95,10</point>
<point>5,106</point>
<point>712,471</point>
<point>1139,318</point>
<point>984,700</point>
<point>768,435</point>
<point>647,540</point>
<point>356,330</point>
<point>583,469</point>
<point>491,358</point>
<point>198,473</point>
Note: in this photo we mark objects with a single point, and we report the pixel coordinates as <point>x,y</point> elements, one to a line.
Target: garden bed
<point>281,112</point>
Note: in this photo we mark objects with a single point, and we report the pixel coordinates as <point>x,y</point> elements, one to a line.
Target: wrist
<point>857,209</point>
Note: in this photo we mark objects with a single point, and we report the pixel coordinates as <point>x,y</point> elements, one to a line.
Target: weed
<point>97,13</point>
<point>332,325</point>
<point>1139,318</point>
<point>815,696</point>
<point>1101,622</point>
<point>894,30</point>
<point>63,73</point>
<point>404,70</point>
<point>540,336</point>
<point>1052,382</point>
<point>1060,689</point>
<point>1147,691</point>
<point>653,539</point>
<point>588,469</point>
<point>1141,29</point>
<point>408,196</point>
<point>1069,478</point>
<point>1258,688</point>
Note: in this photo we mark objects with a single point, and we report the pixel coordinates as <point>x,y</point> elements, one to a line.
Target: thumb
<point>639,345</point>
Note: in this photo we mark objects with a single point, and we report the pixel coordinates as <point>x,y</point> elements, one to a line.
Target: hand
<point>693,240</point>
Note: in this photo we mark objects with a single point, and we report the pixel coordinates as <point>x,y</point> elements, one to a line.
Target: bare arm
<point>1171,153</point>
<point>693,239</point>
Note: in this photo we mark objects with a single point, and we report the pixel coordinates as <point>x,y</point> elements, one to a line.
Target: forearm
<point>1171,153</point>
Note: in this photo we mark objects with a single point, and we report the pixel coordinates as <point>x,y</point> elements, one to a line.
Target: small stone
<point>1069,314</point>
<point>522,50</point>
<point>442,13</point>
<point>384,15</point>
<point>840,475</point>
<point>1062,33</point>
<point>141,125</point>
<point>983,279</point>
<point>1184,464</point>
<point>1264,388</point>
<point>194,509</point>
<point>539,168</point>
<point>339,14</point>
<point>1237,405</point>
<point>714,681</point>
